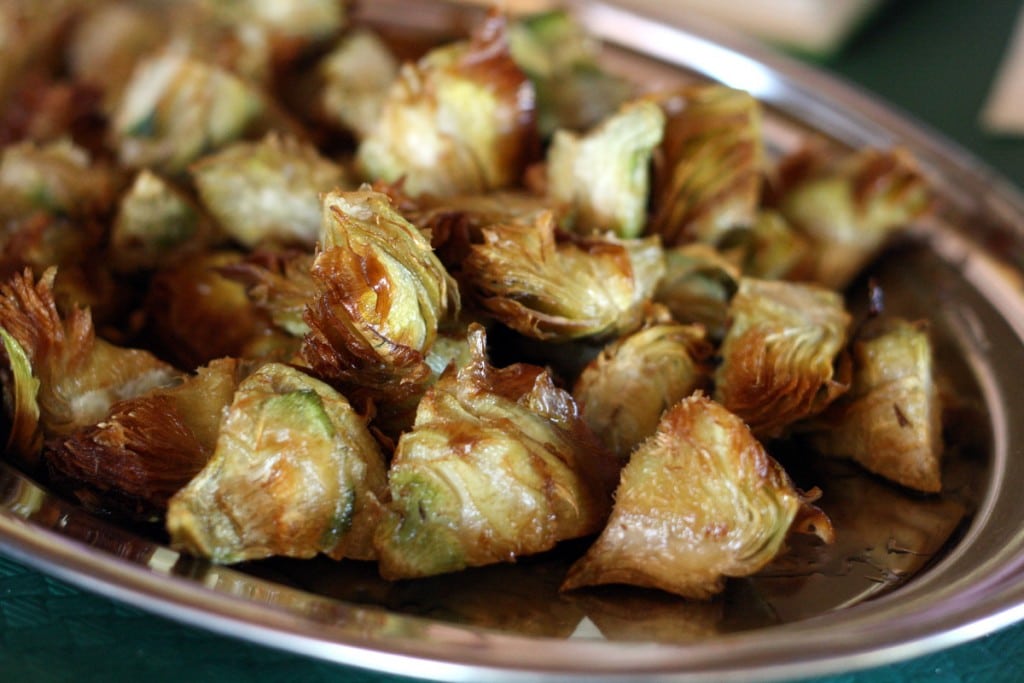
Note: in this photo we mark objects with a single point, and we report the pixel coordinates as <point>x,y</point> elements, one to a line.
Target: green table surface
<point>934,59</point>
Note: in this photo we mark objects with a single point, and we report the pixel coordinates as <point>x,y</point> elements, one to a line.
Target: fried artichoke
<point>52,200</point>
<point>698,285</point>
<point>573,91</point>
<point>603,177</point>
<point>108,40</point>
<point>295,472</point>
<point>381,294</point>
<point>75,375</point>
<point>498,465</point>
<point>459,121</point>
<point>699,501</point>
<point>770,249</point>
<point>197,314</point>
<point>267,191</point>
<point>624,391</point>
<point>306,21</point>
<point>849,209</point>
<point>780,353</point>
<point>278,283</point>
<point>156,224</point>
<point>176,108</point>
<point>456,223</point>
<point>148,447</point>
<point>357,76</point>
<point>560,291</point>
<point>709,178</point>
<point>58,179</point>
<point>891,419</point>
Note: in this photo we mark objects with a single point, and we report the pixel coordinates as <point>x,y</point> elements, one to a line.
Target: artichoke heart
<point>604,176</point>
<point>175,108</point>
<point>267,191</point>
<point>381,293</point>
<point>624,391</point>
<point>709,180</point>
<point>849,209</point>
<point>560,291</point>
<point>891,419</point>
<point>497,465</point>
<point>295,473</point>
<point>779,355</point>
<point>460,121</point>
<point>699,501</point>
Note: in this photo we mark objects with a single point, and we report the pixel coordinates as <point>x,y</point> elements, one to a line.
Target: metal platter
<point>909,575</point>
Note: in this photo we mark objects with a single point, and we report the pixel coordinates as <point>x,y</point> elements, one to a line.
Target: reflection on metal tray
<point>908,574</point>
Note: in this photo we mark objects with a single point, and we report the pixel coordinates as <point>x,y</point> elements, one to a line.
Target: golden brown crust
<point>708,178</point>
<point>132,462</point>
<point>778,357</point>
<point>698,501</point>
<point>554,290</point>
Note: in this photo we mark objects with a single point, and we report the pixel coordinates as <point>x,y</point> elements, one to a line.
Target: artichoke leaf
<point>573,91</point>
<point>279,283</point>
<point>58,178</point>
<point>155,225</point>
<point>698,285</point>
<point>357,75</point>
<point>197,313</point>
<point>175,108</point>
<point>295,472</point>
<point>21,388</point>
<point>456,223</point>
<point>770,249</point>
<point>699,501</point>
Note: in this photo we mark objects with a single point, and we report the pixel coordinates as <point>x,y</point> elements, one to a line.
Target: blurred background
<point>955,66</point>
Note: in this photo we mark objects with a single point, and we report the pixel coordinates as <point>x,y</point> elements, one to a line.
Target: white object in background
<point>1004,109</point>
<point>813,26</point>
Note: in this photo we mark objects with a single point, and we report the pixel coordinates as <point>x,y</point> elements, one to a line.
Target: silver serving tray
<point>916,574</point>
